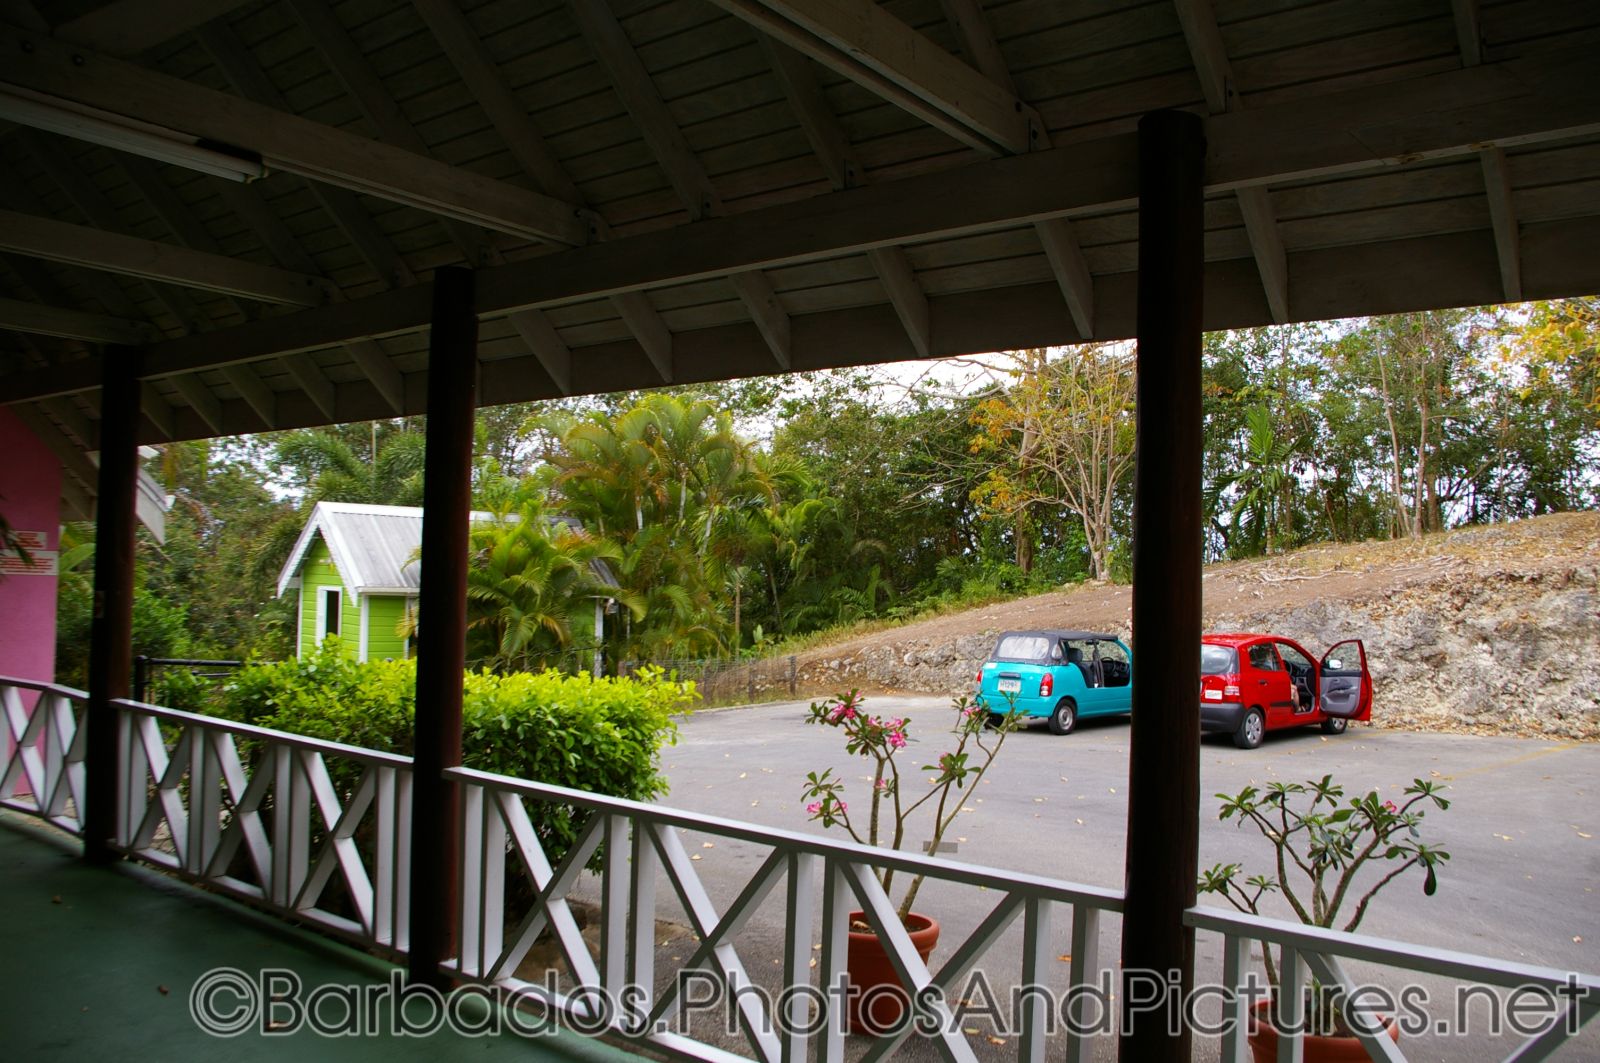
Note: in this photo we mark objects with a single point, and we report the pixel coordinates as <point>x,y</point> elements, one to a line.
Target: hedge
<point>601,735</point>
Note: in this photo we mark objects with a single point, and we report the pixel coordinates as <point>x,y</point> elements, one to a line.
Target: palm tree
<point>1265,481</point>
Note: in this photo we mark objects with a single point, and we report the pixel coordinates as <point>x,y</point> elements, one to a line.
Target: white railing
<point>267,823</point>
<point>1322,954</point>
<point>821,881</point>
<point>45,737</point>
<point>258,814</point>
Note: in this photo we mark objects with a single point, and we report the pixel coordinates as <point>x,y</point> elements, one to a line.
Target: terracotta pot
<point>1263,1039</point>
<point>878,999</point>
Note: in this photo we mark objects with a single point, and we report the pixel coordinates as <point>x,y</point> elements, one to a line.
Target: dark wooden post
<point>442,622</point>
<point>111,628</point>
<point>1164,761</point>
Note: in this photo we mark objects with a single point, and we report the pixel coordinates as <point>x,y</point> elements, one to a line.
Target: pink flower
<point>880,784</point>
<point>1391,806</point>
<point>897,740</point>
<point>814,807</point>
<point>841,806</point>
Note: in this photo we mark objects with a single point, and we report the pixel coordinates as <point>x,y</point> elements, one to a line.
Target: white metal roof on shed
<point>374,546</point>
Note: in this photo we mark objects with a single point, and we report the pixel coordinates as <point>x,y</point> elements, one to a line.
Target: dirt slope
<point>1493,629</point>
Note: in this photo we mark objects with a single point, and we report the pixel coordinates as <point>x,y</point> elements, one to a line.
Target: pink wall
<point>30,498</point>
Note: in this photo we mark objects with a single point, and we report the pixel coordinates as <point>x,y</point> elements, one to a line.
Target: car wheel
<point>1252,729</point>
<point>995,720</point>
<point>1335,726</point>
<point>1065,718</point>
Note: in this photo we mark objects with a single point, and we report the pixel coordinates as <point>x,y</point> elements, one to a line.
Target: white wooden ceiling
<point>674,190</point>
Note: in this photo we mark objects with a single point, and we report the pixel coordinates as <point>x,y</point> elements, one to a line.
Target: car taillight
<point>1046,685</point>
<point>978,679</point>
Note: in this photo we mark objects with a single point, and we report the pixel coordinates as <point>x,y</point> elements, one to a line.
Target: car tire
<point>1252,729</point>
<point>1335,725</point>
<point>994,721</point>
<point>1064,718</point>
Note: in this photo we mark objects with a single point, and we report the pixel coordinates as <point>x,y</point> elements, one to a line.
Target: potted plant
<point>893,805</point>
<point>1322,844</point>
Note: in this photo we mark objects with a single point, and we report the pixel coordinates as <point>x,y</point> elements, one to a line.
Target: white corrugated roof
<point>374,546</point>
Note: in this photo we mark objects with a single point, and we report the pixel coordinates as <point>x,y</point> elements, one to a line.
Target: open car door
<point>1346,686</point>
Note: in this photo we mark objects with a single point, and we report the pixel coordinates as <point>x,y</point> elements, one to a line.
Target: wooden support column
<point>111,629</point>
<point>1164,760</point>
<point>442,627</point>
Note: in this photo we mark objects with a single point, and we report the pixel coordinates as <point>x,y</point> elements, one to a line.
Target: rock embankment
<point>1489,629</point>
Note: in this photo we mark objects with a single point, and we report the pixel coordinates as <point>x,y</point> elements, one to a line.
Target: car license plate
<point>1212,695</point>
<point>1010,686</point>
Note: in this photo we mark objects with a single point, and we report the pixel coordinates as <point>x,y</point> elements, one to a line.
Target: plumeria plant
<point>1321,842</point>
<point>978,733</point>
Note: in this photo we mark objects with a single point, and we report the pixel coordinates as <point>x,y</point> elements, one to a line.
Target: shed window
<point>330,612</point>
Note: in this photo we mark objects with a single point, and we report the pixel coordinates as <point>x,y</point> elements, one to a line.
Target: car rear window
<point>1022,648</point>
<point>1218,660</point>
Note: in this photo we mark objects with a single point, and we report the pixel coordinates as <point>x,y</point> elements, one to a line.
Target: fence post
<point>750,680</point>
<point>794,687</point>
<point>141,677</point>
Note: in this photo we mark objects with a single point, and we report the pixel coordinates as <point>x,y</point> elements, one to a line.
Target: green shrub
<point>601,735</point>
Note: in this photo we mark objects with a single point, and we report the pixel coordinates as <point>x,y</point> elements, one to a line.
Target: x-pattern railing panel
<point>43,773</point>
<point>190,801</point>
<point>1321,954</point>
<point>645,856</point>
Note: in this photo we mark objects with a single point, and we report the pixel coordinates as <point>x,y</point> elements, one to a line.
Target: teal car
<point>1058,676</point>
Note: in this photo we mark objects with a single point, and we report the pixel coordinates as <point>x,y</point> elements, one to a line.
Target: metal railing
<point>319,832</point>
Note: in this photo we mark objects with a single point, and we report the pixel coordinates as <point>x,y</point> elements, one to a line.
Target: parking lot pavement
<point>1523,831</point>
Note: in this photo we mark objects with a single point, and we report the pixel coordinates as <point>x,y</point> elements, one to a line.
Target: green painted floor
<point>98,964</point>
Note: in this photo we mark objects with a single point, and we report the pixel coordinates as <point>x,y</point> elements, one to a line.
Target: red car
<point>1252,684</point>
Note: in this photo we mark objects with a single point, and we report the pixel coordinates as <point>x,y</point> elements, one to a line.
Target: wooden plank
<point>647,326</point>
<point>865,43</point>
<point>1469,31</point>
<point>96,249</point>
<point>375,365</point>
<point>821,126</point>
<point>1504,220</point>
<point>256,394</point>
<point>314,383</point>
<point>286,142</point>
<point>128,27</point>
<point>200,399</point>
<point>972,29</point>
<point>768,314</point>
<point>909,302</point>
<point>1071,271</point>
<point>554,356</point>
<point>488,85</point>
<point>46,320</point>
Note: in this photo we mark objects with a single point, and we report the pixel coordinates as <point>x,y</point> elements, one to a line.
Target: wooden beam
<point>1503,216</point>
<point>489,88</point>
<point>69,416</point>
<point>200,399</point>
<point>648,328</point>
<point>285,142</point>
<point>1447,115</point>
<point>821,125</point>
<point>865,43</point>
<point>1071,270</point>
<point>972,28</point>
<point>111,631</point>
<point>128,27</point>
<point>318,388</point>
<point>72,456</point>
<point>156,409</point>
<point>46,320</point>
<point>905,295</point>
<point>768,314</point>
<point>638,94</point>
<point>79,245</point>
<point>441,641</point>
<point>254,392</point>
<point>1164,746</point>
<point>240,68</point>
<point>377,367</point>
<point>1266,243</point>
<point>1210,57</point>
<point>552,352</point>
<point>1469,31</point>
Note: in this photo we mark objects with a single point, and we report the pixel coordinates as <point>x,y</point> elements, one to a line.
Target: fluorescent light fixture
<point>127,134</point>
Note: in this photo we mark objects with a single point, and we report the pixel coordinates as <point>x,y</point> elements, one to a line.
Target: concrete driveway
<point>1523,881</point>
